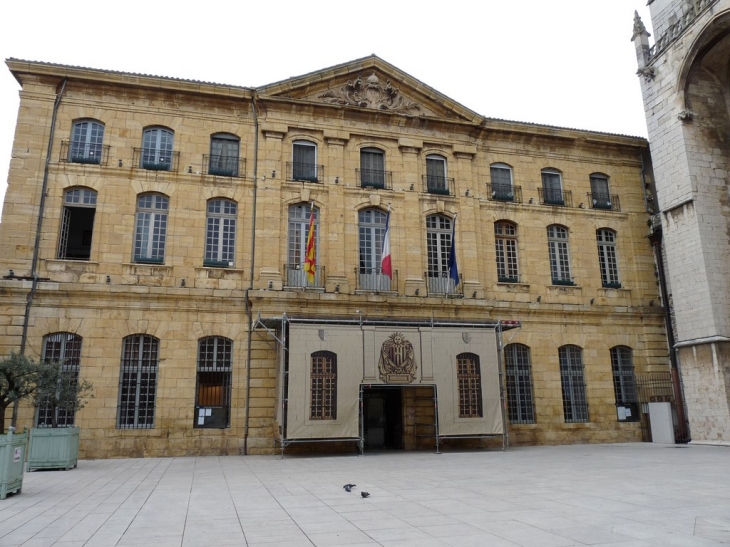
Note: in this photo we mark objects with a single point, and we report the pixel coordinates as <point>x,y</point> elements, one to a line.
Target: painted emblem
<point>397,360</point>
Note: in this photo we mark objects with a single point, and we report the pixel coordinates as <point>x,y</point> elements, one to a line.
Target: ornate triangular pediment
<point>373,93</point>
<point>369,84</point>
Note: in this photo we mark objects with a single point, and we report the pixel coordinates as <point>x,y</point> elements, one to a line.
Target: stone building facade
<point>155,235</point>
<point>684,81</point>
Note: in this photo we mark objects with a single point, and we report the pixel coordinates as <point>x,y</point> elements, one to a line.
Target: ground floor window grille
<point>520,405</point>
<point>213,386</point>
<point>138,382</point>
<point>470,385</point>
<point>575,405</point>
<point>323,386</point>
<point>64,347</point>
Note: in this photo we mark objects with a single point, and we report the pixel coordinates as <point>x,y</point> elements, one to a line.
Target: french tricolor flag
<point>385,266</point>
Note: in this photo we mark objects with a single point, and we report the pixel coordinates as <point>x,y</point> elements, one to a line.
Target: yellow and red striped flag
<point>310,262</point>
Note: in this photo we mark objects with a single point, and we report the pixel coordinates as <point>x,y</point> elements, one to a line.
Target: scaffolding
<point>278,329</point>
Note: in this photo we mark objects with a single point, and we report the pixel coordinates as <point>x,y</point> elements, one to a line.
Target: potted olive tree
<point>58,391</point>
<point>18,375</point>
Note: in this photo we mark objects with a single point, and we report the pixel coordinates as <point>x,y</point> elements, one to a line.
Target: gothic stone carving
<point>397,360</point>
<point>370,94</point>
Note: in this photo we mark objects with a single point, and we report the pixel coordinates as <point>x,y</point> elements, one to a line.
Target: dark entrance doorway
<point>383,417</point>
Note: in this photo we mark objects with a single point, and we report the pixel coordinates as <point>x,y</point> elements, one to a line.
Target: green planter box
<point>53,448</point>
<point>12,462</point>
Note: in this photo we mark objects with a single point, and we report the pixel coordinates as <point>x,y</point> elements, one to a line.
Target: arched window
<point>572,380</point>
<point>299,223</point>
<point>220,233</point>
<point>372,168</point>
<point>606,240</point>
<point>138,382</point>
<point>64,347</point>
<point>552,187</point>
<point>437,181</point>
<point>157,149</point>
<point>624,380</point>
<point>469,377</point>
<point>559,255</point>
<point>438,245</point>
<point>77,224</point>
<point>600,195</point>
<point>501,182</point>
<point>304,165</point>
<point>87,142</point>
<point>520,403</point>
<point>213,382</point>
<point>224,151</point>
<point>505,240</point>
<point>151,228</point>
<point>371,229</point>
<point>323,386</point>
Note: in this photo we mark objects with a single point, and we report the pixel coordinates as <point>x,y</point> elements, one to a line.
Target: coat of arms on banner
<point>397,360</point>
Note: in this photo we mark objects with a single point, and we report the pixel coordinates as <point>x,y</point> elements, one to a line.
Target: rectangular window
<point>213,385</point>
<point>323,386</point>
<point>575,405</point>
<point>436,181</point>
<point>505,239</point>
<point>372,168</point>
<point>607,258</point>
<point>220,235</point>
<point>600,197</point>
<point>470,385</point>
<point>520,405</point>
<point>138,382</point>
<point>151,229</point>
<point>552,188</point>
<point>77,224</point>
<point>304,166</point>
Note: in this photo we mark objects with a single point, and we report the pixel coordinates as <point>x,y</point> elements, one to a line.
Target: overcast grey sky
<point>568,63</point>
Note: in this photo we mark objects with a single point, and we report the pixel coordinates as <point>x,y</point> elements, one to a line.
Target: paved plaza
<point>627,495</point>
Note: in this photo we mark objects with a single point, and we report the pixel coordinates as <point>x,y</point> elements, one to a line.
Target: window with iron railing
<point>86,145</point>
<point>518,371</point>
<point>572,379</point>
<point>323,386</point>
<point>156,153</point>
<point>138,382</point>
<point>63,347</point>
<point>303,166</point>
<point>213,383</point>
<point>223,160</point>
<point>469,378</point>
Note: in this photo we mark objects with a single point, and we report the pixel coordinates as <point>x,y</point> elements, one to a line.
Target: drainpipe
<point>39,226</point>
<point>656,241</point>
<point>249,310</point>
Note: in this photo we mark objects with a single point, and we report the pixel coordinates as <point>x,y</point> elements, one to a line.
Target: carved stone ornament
<point>370,94</point>
<point>397,360</point>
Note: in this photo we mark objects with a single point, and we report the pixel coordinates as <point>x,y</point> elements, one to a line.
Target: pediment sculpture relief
<point>370,94</point>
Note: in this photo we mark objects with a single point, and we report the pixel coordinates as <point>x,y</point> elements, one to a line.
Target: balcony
<point>508,279</point>
<point>224,166</point>
<point>296,277</point>
<point>84,152</point>
<point>304,172</point>
<point>554,196</point>
<point>374,178</point>
<point>374,280</point>
<point>504,192</point>
<point>606,202</point>
<point>440,284</point>
<point>156,160</point>
<point>443,186</point>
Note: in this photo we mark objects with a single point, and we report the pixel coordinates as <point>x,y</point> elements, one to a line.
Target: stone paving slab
<point>618,495</point>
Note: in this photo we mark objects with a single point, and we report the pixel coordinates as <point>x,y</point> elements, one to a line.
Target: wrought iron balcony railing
<point>565,281</point>
<point>439,283</point>
<point>224,166</point>
<point>296,277</point>
<point>306,172</point>
<point>433,184</point>
<point>156,160</point>
<point>606,202</point>
<point>84,152</point>
<point>553,196</point>
<point>504,192</point>
<point>508,278</point>
<point>374,178</point>
<point>374,280</point>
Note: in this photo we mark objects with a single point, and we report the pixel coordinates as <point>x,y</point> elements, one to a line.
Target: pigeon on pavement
<point>348,487</point>
<point>364,494</point>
